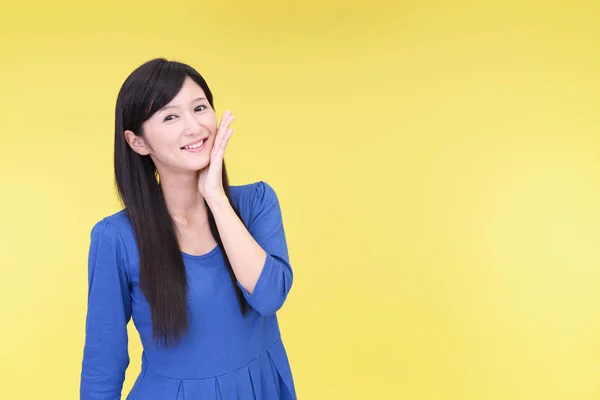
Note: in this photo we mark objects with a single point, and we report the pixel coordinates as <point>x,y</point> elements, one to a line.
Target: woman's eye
<point>169,117</point>
<point>200,108</point>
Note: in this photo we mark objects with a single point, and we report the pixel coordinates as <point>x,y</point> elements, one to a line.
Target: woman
<point>202,267</point>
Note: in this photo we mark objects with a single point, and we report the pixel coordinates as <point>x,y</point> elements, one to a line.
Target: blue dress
<point>224,355</point>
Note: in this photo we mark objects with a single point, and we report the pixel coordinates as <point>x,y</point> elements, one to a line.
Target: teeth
<point>194,146</point>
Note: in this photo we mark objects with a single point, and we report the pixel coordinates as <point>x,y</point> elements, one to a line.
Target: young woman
<point>202,267</point>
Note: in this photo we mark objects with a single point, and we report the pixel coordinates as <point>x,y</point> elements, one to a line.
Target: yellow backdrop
<point>438,165</point>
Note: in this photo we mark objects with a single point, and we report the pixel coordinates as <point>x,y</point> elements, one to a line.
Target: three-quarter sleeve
<point>266,227</point>
<point>105,354</point>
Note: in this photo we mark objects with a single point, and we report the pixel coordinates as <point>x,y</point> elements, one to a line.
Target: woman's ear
<point>136,143</point>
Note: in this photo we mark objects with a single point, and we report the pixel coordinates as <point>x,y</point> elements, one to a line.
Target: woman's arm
<point>105,355</point>
<point>258,255</point>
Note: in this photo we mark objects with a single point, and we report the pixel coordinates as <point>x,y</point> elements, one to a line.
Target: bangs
<point>161,87</point>
<point>151,87</point>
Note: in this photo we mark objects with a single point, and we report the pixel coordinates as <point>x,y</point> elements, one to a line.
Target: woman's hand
<point>210,180</point>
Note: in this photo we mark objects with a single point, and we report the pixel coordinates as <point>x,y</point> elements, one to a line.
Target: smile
<point>195,146</point>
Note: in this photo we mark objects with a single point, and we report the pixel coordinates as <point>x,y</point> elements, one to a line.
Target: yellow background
<point>438,164</point>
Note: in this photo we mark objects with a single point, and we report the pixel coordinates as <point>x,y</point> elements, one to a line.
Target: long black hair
<point>162,273</point>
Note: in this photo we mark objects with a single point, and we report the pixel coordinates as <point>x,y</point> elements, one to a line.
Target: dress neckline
<point>211,253</point>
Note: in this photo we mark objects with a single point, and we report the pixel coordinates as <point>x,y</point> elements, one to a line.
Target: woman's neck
<point>182,196</point>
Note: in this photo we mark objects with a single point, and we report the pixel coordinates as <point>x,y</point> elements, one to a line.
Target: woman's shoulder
<point>116,224</point>
<point>255,200</point>
<point>252,190</point>
<point>249,196</point>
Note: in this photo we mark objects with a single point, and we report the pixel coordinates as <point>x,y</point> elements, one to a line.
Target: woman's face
<point>179,137</point>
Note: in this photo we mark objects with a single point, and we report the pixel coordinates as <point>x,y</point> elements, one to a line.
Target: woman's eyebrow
<point>177,106</point>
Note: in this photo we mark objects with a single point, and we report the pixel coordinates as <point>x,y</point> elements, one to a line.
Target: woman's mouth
<point>195,146</point>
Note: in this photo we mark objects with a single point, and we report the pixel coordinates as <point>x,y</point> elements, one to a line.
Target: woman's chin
<point>183,166</point>
<point>197,166</point>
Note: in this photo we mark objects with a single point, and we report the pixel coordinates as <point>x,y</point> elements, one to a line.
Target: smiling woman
<point>201,267</point>
<point>183,124</point>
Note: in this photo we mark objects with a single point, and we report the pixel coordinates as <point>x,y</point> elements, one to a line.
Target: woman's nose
<point>192,125</point>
